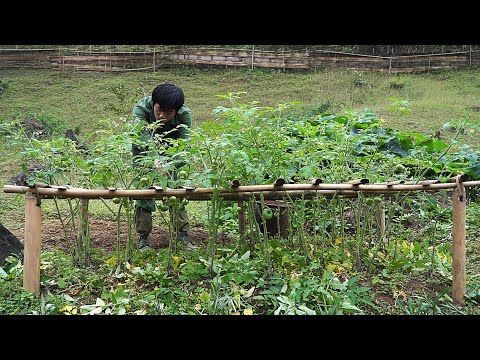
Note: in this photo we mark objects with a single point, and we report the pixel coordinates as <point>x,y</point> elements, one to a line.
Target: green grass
<point>82,98</point>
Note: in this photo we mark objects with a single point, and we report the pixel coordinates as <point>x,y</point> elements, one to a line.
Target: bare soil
<point>103,234</point>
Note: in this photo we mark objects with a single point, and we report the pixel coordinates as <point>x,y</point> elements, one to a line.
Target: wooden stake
<point>82,223</point>
<point>458,244</point>
<point>154,60</point>
<point>241,218</point>
<point>380,222</point>
<point>31,245</point>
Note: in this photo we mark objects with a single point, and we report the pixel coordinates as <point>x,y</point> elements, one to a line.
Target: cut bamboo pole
<point>458,244</point>
<point>381,222</point>
<point>358,181</point>
<point>204,193</point>
<point>31,245</point>
<point>82,223</point>
<point>154,60</point>
<point>242,217</point>
<point>390,183</point>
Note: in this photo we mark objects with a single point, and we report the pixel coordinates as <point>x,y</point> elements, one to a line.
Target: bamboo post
<point>83,223</point>
<point>380,222</point>
<point>458,243</point>
<point>253,52</point>
<point>31,245</point>
<point>470,58</point>
<point>241,218</point>
<point>154,60</point>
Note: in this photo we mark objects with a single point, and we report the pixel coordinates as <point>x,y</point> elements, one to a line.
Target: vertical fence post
<point>381,227</point>
<point>154,60</point>
<point>253,52</point>
<point>241,218</point>
<point>470,57</point>
<point>82,224</point>
<point>458,243</point>
<point>31,245</point>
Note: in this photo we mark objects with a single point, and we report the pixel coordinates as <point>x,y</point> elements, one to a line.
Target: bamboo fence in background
<point>313,59</point>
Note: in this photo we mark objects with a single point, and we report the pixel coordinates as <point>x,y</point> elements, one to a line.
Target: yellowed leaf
<point>399,293</point>
<point>112,261</point>
<point>66,308</point>
<point>249,292</point>
<point>176,260</point>
<point>331,267</point>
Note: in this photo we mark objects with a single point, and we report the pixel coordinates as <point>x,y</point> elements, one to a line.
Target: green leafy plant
<point>400,106</point>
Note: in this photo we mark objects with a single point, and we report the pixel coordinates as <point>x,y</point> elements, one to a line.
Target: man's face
<point>163,115</point>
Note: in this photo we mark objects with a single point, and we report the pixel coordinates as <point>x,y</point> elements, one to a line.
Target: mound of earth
<point>9,244</point>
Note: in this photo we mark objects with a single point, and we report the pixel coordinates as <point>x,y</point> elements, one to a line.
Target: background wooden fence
<point>66,59</point>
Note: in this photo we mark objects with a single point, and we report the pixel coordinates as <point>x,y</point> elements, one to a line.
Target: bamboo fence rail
<point>271,192</point>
